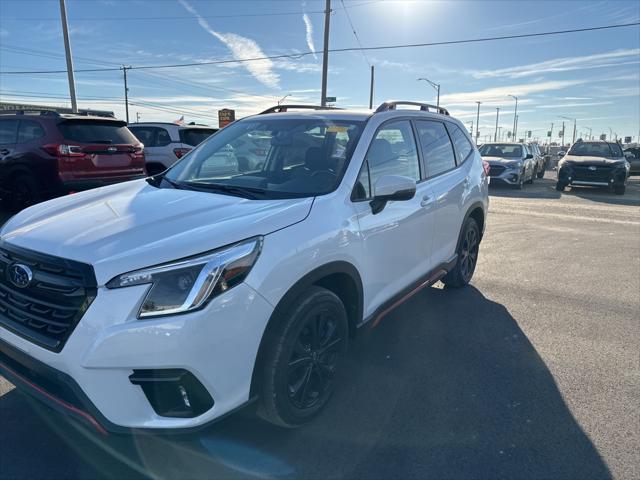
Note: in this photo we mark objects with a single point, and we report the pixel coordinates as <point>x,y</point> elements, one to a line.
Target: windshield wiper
<point>246,192</point>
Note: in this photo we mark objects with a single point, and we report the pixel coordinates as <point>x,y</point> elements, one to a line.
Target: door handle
<point>426,201</point>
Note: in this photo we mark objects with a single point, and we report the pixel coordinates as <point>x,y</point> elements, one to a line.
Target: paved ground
<point>530,373</point>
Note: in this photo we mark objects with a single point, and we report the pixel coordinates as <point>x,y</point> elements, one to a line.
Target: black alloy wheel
<point>24,192</point>
<point>304,347</point>
<point>468,248</point>
<point>313,360</point>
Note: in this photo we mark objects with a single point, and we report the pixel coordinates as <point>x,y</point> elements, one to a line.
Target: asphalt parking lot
<point>532,372</point>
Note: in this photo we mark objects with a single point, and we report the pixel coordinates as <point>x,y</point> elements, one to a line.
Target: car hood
<point>134,225</point>
<point>592,160</point>
<point>501,161</point>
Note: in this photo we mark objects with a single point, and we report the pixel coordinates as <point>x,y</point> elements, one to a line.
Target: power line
<point>339,50</point>
<point>180,17</point>
<point>355,34</point>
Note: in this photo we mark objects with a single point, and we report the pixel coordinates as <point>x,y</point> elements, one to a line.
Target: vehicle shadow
<point>603,195</point>
<point>542,188</point>
<point>446,386</point>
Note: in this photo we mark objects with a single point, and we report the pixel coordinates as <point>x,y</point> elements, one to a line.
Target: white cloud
<point>501,94</point>
<point>241,48</point>
<point>563,105</point>
<point>309,35</point>
<point>565,64</point>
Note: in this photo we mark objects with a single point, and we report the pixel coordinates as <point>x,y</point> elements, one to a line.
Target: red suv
<point>48,154</point>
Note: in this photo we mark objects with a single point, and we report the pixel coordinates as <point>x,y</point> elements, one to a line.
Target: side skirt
<point>432,277</point>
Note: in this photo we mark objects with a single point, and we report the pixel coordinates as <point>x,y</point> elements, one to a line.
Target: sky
<point>593,77</point>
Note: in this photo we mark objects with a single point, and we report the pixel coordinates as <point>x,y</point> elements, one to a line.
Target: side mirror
<point>560,153</point>
<point>391,187</point>
<point>529,155</point>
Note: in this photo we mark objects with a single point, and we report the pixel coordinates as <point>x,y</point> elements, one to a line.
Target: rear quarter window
<point>29,131</point>
<point>194,136</point>
<point>96,131</point>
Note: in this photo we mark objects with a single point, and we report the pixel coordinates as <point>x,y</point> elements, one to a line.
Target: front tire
<point>305,350</point>
<point>468,248</point>
<point>619,190</point>
<point>560,187</point>
<point>541,172</point>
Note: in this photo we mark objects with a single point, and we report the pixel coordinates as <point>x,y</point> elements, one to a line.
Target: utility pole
<point>573,140</point>
<point>126,91</point>
<point>137,117</point>
<point>478,123</point>
<point>495,137</point>
<point>67,52</point>
<point>515,115</point>
<point>517,121</point>
<point>371,90</point>
<point>550,138</point>
<point>325,53</point>
<point>563,134</point>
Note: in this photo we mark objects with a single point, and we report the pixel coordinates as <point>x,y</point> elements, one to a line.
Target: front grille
<point>496,170</point>
<point>48,309</point>
<point>592,173</point>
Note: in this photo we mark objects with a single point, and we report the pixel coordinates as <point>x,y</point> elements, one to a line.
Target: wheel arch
<point>339,277</point>
<point>475,211</point>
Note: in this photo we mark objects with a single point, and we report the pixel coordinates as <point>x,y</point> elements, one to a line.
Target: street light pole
<point>325,53</point>
<point>67,52</point>
<point>126,91</point>
<point>478,123</point>
<point>515,115</point>
<point>495,137</point>
<point>436,86</point>
<point>283,98</point>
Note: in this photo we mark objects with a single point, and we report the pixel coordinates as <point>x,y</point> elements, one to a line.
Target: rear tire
<point>25,192</point>
<point>468,247</point>
<point>305,350</point>
<point>541,172</point>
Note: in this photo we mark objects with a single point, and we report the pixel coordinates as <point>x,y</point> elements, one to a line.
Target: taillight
<point>181,152</point>
<point>138,151</point>
<point>486,167</point>
<point>62,150</point>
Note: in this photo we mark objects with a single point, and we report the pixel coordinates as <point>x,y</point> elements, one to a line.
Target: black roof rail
<point>425,107</point>
<point>285,108</point>
<point>35,111</point>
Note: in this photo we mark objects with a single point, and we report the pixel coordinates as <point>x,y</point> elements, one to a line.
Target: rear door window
<point>29,131</point>
<point>194,136</point>
<point>437,150</point>
<point>152,136</point>
<point>8,131</point>
<point>460,142</point>
<point>96,131</point>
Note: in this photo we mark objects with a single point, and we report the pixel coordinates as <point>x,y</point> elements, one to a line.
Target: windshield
<point>606,150</point>
<point>271,158</point>
<point>501,150</point>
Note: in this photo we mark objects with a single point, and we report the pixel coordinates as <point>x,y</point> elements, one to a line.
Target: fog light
<point>569,178</point>
<point>173,392</point>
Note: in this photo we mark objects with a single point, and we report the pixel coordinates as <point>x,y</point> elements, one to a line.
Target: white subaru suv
<point>167,302</point>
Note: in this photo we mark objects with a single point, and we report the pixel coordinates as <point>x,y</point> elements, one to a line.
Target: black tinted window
<point>460,142</point>
<point>29,130</point>
<point>96,131</point>
<point>393,152</point>
<point>193,136</point>
<point>437,150</point>
<point>8,131</point>
<point>151,136</point>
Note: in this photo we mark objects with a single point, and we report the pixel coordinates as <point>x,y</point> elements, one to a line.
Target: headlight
<point>188,284</point>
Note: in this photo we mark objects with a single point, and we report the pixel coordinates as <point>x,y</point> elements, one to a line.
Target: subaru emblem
<point>592,168</point>
<point>20,275</point>
<point>112,149</point>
